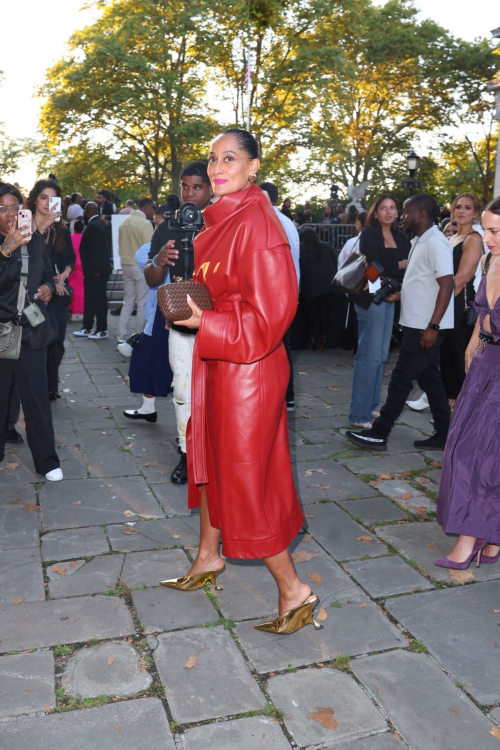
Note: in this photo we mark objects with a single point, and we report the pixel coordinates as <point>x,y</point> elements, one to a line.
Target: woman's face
<point>229,167</point>
<point>328,210</point>
<point>8,213</point>
<point>464,212</point>
<point>449,230</point>
<point>288,203</point>
<point>387,212</point>
<point>42,201</point>
<point>491,226</point>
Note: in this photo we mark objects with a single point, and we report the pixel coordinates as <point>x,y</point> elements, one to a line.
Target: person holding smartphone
<point>45,204</point>
<point>29,371</point>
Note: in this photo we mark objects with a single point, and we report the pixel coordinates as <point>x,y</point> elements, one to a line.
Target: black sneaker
<point>180,473</point>
<point>13,436</point>
<point>290,405</point>
<point>369,439</point>
<point>435,442</point>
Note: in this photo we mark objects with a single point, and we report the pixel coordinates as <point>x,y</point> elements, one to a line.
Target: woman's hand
<point>59,280</point>
<point>393,297</point>
<point>402,264</point>
<point>43,293</point>
<point>469,356</point>
<point>195,320</point>
<point>48,220</point>
<point>15,239</point>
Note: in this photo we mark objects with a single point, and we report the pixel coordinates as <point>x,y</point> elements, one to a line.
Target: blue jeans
<point>374,338</point>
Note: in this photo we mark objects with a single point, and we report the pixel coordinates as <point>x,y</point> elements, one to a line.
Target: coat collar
<point>230,203</point>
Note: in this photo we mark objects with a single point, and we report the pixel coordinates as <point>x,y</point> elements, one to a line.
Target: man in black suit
<point>104,202</point>
<point>95,254</point>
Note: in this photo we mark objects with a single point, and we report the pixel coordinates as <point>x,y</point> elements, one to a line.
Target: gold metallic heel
<point>196,581</point>
<point>294,619</point>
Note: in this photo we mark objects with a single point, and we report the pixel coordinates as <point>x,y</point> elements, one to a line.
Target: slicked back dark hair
<point>424,203</point>
<point>246,141</point>
<point>493,207</point>
<point>7,189</point>
<point>196,169</point>
<point>372,219</point>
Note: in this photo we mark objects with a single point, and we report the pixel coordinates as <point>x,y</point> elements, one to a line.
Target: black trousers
<point>422,365</point>
<point>290,395</point>
<point>14,409</point>
<point>29,373</point>
<point>95,302</point>
<point>58,313</point>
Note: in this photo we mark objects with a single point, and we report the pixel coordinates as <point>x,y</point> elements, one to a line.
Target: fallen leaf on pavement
<point>73,564</point>
<point>76,502</point>
<point>315,578</point>
<point>495,731</point>
<point>308,515</point>
<point>162,472</point>
<point>461,576</point>
<point>175,536</point>
<point>14,502</point>
<point>190,662</point>
<point>386,476</point>
<point>496,645</point>
<point>151,463</point>
<point>30,507</point>
<point>324,716</point>
<point>117,727</point>
<point>365,539</point>
<point>58,569</point>
<point>431,546</point>
<point>406,496</point>
<point>310,536</point>
<point>335,390</point>
<point>437,464</point>
<point>128,513</point>
<point>496,610</point>
<point>452,711</point>
<point>421,508</point>
<point>322,614</point>
<point>145,515</point>
<point>11,465</point>
<point>363,604</point>
<point>30,690</point>
<point>128,530</point>
<point>303,556</point>
<point>421,480</point>
<point>18,601</point>
<point>110,660</point>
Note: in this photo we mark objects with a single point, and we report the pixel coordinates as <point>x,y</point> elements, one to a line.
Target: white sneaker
<point>364,425</point>
<point>375,414</point>
<point>55,475</point>
<point>84,332</point>
<point>419,405</point>
<point>98,335</point>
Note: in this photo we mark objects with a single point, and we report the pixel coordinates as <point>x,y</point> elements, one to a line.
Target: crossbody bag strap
<point>23,281</point>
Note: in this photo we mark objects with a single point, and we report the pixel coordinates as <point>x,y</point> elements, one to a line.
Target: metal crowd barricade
<point>334,234</point>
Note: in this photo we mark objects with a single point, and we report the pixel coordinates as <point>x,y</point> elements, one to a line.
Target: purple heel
<point>490,560</point>
<point>445,562</point>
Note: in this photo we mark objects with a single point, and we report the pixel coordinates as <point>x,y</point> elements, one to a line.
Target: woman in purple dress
<point>469,493</point>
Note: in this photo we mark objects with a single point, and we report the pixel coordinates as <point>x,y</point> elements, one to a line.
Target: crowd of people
<point>269,274</point>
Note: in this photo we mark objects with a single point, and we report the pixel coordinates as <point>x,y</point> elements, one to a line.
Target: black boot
<point>180,473</point>
<point>435,442</point>
<point>13,436</point>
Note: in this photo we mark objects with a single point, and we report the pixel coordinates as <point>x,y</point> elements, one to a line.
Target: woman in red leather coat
<point>238,452</point>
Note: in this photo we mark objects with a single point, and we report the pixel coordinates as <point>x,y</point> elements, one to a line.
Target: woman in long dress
<point>239,466</point>
<point>469,493</point>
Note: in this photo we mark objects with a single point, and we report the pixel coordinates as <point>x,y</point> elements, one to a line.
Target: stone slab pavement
<point>95,653</point>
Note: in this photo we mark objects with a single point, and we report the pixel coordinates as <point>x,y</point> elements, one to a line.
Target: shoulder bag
<point>351,277</point>
<point>11,332</point>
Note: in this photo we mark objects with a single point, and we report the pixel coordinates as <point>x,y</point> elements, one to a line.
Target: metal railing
<point>335,235</point>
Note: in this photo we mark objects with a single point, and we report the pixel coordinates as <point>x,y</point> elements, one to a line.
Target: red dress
<point>238,433</point>
<point>76,277</point>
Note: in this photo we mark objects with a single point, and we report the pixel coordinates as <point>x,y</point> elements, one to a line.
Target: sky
<point>39,41</point>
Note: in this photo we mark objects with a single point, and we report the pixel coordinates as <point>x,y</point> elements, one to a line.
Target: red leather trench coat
<point>238,433</point>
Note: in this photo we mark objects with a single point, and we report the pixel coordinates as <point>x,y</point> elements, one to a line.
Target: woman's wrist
<point>5,255</point>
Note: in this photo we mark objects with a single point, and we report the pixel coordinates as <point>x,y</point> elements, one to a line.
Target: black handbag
<point>470,315</point>
<point>350,278</point>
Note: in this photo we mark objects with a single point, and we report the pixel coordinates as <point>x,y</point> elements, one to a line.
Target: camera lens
<point>188,213</point>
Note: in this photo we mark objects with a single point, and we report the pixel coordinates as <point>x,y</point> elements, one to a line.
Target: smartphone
<point>24,219</point>
<point>54,201</point>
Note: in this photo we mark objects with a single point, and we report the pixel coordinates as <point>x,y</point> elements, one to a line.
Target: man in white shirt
<point>75,210</point>
<point>427,311</point>
<point>293,239</point>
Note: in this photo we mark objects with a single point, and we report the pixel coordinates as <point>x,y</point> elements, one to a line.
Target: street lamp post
<point>334,197</point>
<point>411,183</point>
<point>494,87</point>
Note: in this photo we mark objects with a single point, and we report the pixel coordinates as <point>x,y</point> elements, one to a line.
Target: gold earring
<point>252,179</point>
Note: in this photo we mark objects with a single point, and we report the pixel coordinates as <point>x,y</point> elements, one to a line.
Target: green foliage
<point>63,650</point>
<point>342,662</point>
<point>418,647</point>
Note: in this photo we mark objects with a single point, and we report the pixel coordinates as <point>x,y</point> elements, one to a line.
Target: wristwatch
<point>434,326</point>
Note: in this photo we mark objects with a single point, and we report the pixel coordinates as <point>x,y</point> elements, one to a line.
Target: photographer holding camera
<point>167,254</point>
<point>383,244</point>
<point>427,311</point>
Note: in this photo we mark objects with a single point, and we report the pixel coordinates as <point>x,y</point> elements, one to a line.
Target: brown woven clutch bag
<point>173,303</point>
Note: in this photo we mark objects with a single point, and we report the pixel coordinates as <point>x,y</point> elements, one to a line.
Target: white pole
<point>249,85</point>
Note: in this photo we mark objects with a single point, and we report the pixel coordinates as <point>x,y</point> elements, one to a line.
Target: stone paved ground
<point>95,654</point>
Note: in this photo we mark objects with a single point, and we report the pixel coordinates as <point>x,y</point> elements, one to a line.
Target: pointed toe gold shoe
<point>294,619</point>
<point>196,581</point>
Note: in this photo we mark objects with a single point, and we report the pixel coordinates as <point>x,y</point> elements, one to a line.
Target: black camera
<point>389,286</point>
<point>185,219</point>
